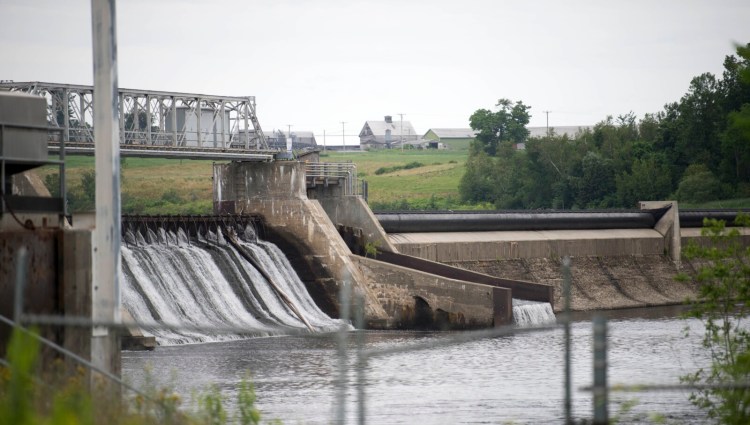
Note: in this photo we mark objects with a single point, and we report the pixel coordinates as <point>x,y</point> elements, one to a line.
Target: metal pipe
<point>470,221</point>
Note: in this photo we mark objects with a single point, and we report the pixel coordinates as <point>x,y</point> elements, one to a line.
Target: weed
<point>30,395</point>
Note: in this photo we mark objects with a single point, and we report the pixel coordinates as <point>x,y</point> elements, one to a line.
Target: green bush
<point>722,304</point>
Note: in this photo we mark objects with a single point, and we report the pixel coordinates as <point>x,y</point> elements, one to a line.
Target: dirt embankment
<point>599,282</point>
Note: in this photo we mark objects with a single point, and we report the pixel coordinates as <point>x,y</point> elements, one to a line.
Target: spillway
<point>206,282</point>
<point>532,313</point>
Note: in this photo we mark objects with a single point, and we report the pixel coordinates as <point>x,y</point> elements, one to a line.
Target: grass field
<point>169,186</point>
<point>436,180</point>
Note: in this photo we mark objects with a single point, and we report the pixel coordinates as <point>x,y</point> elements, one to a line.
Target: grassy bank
<point>433,184</point>
<point>410,179</point>
<point>418,179</point>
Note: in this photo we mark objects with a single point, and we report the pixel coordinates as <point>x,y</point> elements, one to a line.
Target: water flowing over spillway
<point>531,313</point>
<point>208,283</point>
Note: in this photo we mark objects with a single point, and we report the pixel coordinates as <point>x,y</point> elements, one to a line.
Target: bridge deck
<point>171,152</point>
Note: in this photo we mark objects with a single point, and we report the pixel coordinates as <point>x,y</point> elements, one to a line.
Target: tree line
<point>696,149</point>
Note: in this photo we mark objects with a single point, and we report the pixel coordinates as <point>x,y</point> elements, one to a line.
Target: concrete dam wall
<point>619,259</point>
<point>307,231</point>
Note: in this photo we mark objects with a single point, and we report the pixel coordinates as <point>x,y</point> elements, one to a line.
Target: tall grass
<point>34,393</point>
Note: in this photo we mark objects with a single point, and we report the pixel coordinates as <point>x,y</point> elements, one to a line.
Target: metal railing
<point>152,118</point>
<point>342,173</point>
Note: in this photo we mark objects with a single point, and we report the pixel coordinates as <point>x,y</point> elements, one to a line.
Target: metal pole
<point>66,114</point>
<point>547,112</point>
<point>246,108</point>
<point>106,256</point>
<point>223,125</point>
<point>63,194</point>
<point>324,140</point>
<point>289,132</point>
<point>342,382</point>
<point>148,120</point>
<point>343,139</point>
<point>199,116</point>
<point>402,132</point>
<point>361,360</point>
<point>566,323</point>
<point>174,121</point>
<point>21,266</point>
<point>601,414</point>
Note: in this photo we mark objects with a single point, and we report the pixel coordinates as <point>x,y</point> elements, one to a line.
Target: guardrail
<point>341,173</point>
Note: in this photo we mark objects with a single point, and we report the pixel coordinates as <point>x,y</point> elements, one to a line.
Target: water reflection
<point>511,378</point>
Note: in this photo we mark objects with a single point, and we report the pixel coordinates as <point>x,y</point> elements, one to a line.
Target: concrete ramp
<point>520,289</point>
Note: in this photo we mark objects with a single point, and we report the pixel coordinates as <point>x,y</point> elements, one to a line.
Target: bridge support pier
<point>300,226</point>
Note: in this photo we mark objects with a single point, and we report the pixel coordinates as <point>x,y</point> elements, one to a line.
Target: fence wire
<point>362,356</point>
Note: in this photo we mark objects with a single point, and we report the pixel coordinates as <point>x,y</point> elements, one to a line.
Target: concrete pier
<point>307,231</point>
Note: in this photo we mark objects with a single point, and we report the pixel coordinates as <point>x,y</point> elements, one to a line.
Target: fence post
<point>343,358</point>
<point>601,414</point>
<point>566,322</point>
<point>21,267</point>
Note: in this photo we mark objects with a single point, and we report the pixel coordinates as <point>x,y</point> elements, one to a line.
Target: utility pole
<point>402,131</point>
<point>324,140</point>
<point>343,139</point>
<point>547,112</point>
<point>289,134</point>
<point>105,297</point>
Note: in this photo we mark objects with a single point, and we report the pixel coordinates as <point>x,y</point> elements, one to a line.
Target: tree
<point>506,125</point>
<point>648,179</point>
<point>735,146</point>
<point>596,187</point>
<point>722,304</point>
<point>477,183</point>
<point>699,184</point>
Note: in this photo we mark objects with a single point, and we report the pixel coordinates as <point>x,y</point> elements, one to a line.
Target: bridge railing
<point>152,118</point>
<point>344,173</point>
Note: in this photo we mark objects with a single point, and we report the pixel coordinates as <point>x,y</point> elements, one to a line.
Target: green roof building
<point>453,138</point>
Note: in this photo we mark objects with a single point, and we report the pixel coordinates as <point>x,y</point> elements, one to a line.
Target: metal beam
<point>159,107</point>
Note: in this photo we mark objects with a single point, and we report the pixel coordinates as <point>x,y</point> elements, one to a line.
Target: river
<point>517,378</point>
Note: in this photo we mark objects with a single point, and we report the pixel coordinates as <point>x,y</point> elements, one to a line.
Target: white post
<point>106,246</point>
<point>343,138</point>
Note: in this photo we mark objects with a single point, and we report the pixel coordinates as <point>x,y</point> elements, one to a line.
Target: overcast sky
<point>313,64</point>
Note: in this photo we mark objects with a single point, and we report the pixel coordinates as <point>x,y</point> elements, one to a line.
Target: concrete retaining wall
<point>352,211</point>
<point>453,304</point>
<point>449,247</point>
<point>520,289</point>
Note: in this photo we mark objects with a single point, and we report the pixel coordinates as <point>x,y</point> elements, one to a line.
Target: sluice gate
<point>192,225</point>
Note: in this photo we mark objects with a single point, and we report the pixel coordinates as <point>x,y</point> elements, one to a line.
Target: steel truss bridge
<point>155,123</point>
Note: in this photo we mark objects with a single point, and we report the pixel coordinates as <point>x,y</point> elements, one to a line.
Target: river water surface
<point>517,378</point>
